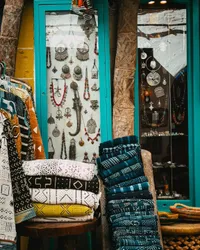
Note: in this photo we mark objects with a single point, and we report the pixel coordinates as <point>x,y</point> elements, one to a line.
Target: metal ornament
<point>153,79</point>
<point>93,161</point>
<point>143,55</point>
<point>69,124</point>
<point>54,70</point>
<point>94,71</point>
<point>90,138</point>
<point>94,104</point>
<point>48,57</point>
<point>82,52</point>
<point>51,120</point>
<point>81,142</point>
<point>153,64</point>
<point>77,106</point>
<point>67,113</point>
<point>71,60</point>
<point>86,158</point>
<point>155,117</point>
<point>56,131</point>
<point>86,93</point>
<point>63,147</point>
<point>61,52</point>
<point>143,66</point>
<point>65,72</point>
<point>91,126</point>
<point>77,73</point>
<point>159,92</point>
<point>94,87</point>
<point>51,150</point>
<point>85,111</point>
<point>151,106</point>
<point>159,103</point>
<point>164,82</point>
<point>59,114</point>
<point>72,149</point>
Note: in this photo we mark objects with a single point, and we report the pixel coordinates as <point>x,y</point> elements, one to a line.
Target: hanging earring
<point>86,158</point>
<point>51,120</point>
<point>61,52</point>
<point>56,132</point>
<point>65,72</point>
<point>82,52</point>
<point>94,71</point>
<point>78,73</point>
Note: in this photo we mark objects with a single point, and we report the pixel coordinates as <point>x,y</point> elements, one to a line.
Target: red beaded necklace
<point>53,99</point>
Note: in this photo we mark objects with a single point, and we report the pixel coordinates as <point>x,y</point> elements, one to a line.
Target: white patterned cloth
<point>62,219</point>
<point>7,214</point>
<point>65,196</point>
<point>67,168</point>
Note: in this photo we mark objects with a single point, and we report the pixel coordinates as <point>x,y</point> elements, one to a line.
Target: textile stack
<point>19,140</point>
<point>129,203</point>
<point>62,190</point>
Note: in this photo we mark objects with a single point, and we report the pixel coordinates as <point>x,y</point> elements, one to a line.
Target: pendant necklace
<point>51,120</point>
<point>63,147</point>
<point>57,92</point>
<point>56,131</point>
<point>94,138</point>
<point>96,52</point>
<point>86,94</point>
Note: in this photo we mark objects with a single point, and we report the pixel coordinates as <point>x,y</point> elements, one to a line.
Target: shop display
<point>163,100</point>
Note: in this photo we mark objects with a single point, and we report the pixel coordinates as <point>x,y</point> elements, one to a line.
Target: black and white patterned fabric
<point>58,167</point>
<point>59,182</point>
<point>65,196</point>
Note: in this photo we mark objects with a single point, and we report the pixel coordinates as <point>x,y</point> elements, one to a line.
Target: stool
<point>36,231</point>
<point>181,236</point>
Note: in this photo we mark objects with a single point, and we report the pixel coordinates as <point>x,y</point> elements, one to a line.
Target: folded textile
<point>144,194</point>
<point>120,166</point>
<point>59,182</point>
<point>125,174</point>
<point>65,196</point>
<point>142,210</point>
<point>115,217</point>
<point>134,181</point>
<point>44,210</point>
<point>131,241</point>
<point>108,163</point>
<point>132,188</point>
<point>116,142</point>
<point>122,231</point>
<point>58,167</point>
<point>153,247</point>
<point>140,203</point>
<point>64,219</point>
<point>7,246</point>
<point>150,222</point>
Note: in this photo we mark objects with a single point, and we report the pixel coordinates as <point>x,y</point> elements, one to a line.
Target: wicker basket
<point>181,242</point>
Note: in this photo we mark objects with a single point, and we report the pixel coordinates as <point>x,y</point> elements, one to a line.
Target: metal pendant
<point>56,132</point>
<point>81,142</point>
<point>86,158</point>
<point>67,113</point>
<point>59,114</point>
<point>94,104</point>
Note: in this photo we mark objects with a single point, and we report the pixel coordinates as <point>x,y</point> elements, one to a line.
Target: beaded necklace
<point>52,91</point>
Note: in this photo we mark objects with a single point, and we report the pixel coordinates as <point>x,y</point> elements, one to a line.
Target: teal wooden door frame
<point>193,62</point>
<point>40,8</point>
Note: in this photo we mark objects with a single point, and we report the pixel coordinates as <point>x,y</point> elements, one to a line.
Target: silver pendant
<point>153,64</point>
<point>59,114</point>
<point>143,55</point>
<point>56,132</point>
<point>164,82</point>
<point>151,106</point>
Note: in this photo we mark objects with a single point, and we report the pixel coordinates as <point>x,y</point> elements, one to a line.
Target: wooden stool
<point>37,231</point>
<point>181,236</point>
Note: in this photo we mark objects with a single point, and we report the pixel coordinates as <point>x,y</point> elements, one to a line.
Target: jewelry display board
<point>162,69</point>
<point>73,86</point>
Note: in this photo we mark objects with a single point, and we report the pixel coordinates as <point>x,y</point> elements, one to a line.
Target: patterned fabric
<point>67,219</point>
<point>132,188</point>
<point>7,246</point>
<point>65,196</point>
<point>137,180</point>
<point>145,209</point>
<point>66,168</point>
<point>125,174</point>
<point>44,210</point>
<point>154,247</point>
<point>120,166</point>
<point>58,182</point>
<point>133,241</point>
<point>35,130</point>
<point>138,203</point>
<point>22,202</point>
<point>116,142</point>
<point>117,159</point>
<point>136,232</point>
<point>144,194</point>
<point>24,124</point>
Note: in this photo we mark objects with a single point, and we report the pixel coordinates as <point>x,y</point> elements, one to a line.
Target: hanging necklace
<point>156,122</point>
<point>63,147</point>
<point>94,138</point>
<point>48,57</point>
<point>56,132</point>
<point>178,113</point>
<point>86,94</point>
<point>57,92</point>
